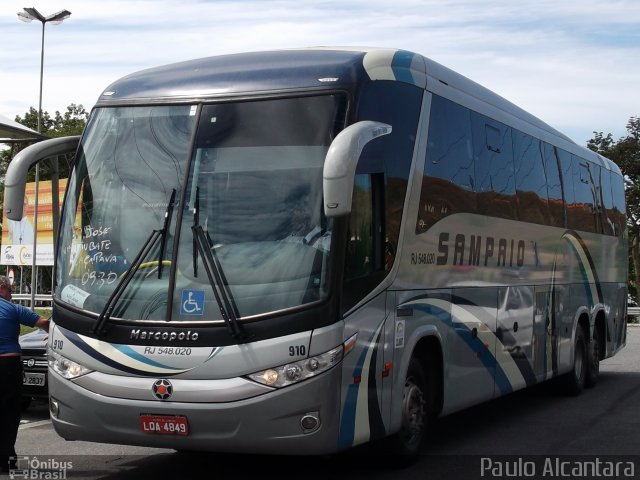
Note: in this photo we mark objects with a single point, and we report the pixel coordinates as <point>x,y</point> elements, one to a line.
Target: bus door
<point>366,388</point>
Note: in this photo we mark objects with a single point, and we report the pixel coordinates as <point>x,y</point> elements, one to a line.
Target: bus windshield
<point>244,178</point>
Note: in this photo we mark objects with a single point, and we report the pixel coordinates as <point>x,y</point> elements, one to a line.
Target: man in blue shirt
<point>11,317</point>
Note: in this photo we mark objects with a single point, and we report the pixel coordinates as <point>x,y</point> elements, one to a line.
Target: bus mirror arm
<point>341,161</point>
<point>16,177</point>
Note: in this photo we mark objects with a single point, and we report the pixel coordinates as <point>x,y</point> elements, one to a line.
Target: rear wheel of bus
<point>593,370</point>
<point>574,381</point>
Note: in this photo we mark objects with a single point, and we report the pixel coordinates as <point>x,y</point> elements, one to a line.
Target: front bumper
<point>269,423</point>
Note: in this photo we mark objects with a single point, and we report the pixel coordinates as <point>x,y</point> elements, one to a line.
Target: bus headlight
<point>65,367</point>
<point>295,372</point>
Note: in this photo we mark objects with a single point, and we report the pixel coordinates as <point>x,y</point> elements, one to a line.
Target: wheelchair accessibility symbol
<point>192,302</point>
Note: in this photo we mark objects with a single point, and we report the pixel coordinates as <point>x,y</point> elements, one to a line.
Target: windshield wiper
<point>218,282</point>
<point>202,245</point>
<point>126,278</point>
<point>167,221</point>
<point>196,222</point>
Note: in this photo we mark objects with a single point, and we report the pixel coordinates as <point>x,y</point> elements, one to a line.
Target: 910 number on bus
<point>297,351</point>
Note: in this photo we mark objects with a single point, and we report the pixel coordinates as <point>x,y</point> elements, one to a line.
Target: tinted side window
<point>380,186</point>
<point>447,185</point>
<point>493,157</point>
<point>585,214</point>
<point>554,186</point>
<point>602,226</point>
<point>531,181</point>
<point>619,214</point>
<point>368,257</point>
<point>359,260</point>
<point>397,104</point>
<point>606,200</point>
<point>567,186</point>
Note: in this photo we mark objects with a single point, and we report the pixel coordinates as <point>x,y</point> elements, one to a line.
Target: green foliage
<point>70,123</point>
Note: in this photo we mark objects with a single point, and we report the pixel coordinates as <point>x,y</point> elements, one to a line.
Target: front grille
<point>37,355</point>
<point>39,362</point>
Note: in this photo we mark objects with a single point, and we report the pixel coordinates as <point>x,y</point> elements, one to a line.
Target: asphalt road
<point>534,426</point>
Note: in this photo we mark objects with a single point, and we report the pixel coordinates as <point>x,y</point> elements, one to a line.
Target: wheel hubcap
<point>413,413</point>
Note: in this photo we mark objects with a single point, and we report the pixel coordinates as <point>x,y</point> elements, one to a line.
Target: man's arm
<point>43,323</point>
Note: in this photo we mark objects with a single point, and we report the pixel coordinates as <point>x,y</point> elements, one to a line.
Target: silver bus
<point>302,251</point>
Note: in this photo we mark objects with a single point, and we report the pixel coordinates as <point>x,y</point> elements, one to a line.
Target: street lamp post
<point>28,15</point>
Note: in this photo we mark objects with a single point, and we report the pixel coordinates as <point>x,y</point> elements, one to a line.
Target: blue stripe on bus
<point>401,66</point>
<point>89,350</point>
<point>130,352</point>
<point>348,421</point>
<point>376,424</point>
<point>213,353</point>
<point>501,381</point>
<point>486,357</point>
<point>585,278</point>
<point>583,268</point>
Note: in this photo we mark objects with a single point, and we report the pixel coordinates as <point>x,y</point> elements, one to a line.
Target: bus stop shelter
<point>12,132</point>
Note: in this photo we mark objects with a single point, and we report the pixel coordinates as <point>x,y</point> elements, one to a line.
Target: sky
<point>575,64</point>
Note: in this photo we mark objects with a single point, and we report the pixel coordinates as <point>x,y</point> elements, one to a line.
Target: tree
<point>626,154</point>
<point>72,122</point>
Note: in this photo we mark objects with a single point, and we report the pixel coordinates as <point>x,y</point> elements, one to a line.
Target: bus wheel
<point>575,380</point>
<point>414,413</point>
<point>593,364</point>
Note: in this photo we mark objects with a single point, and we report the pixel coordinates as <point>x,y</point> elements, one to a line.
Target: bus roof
<point>282,71</point>
<point>237,74</point>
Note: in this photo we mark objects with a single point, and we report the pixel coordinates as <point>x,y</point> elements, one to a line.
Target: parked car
<point>34,366</point>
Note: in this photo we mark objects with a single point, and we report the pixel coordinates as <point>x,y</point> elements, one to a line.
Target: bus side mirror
<point>16,177</point>
<point>340,164</point>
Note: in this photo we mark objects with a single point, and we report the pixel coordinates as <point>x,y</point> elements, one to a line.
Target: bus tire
<point>406,442</point>
<point>593,363</point>
<point>575,380</point>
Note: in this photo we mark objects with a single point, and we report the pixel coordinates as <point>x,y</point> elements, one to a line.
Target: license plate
<point>37,379</point>
<point>164,424</point>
